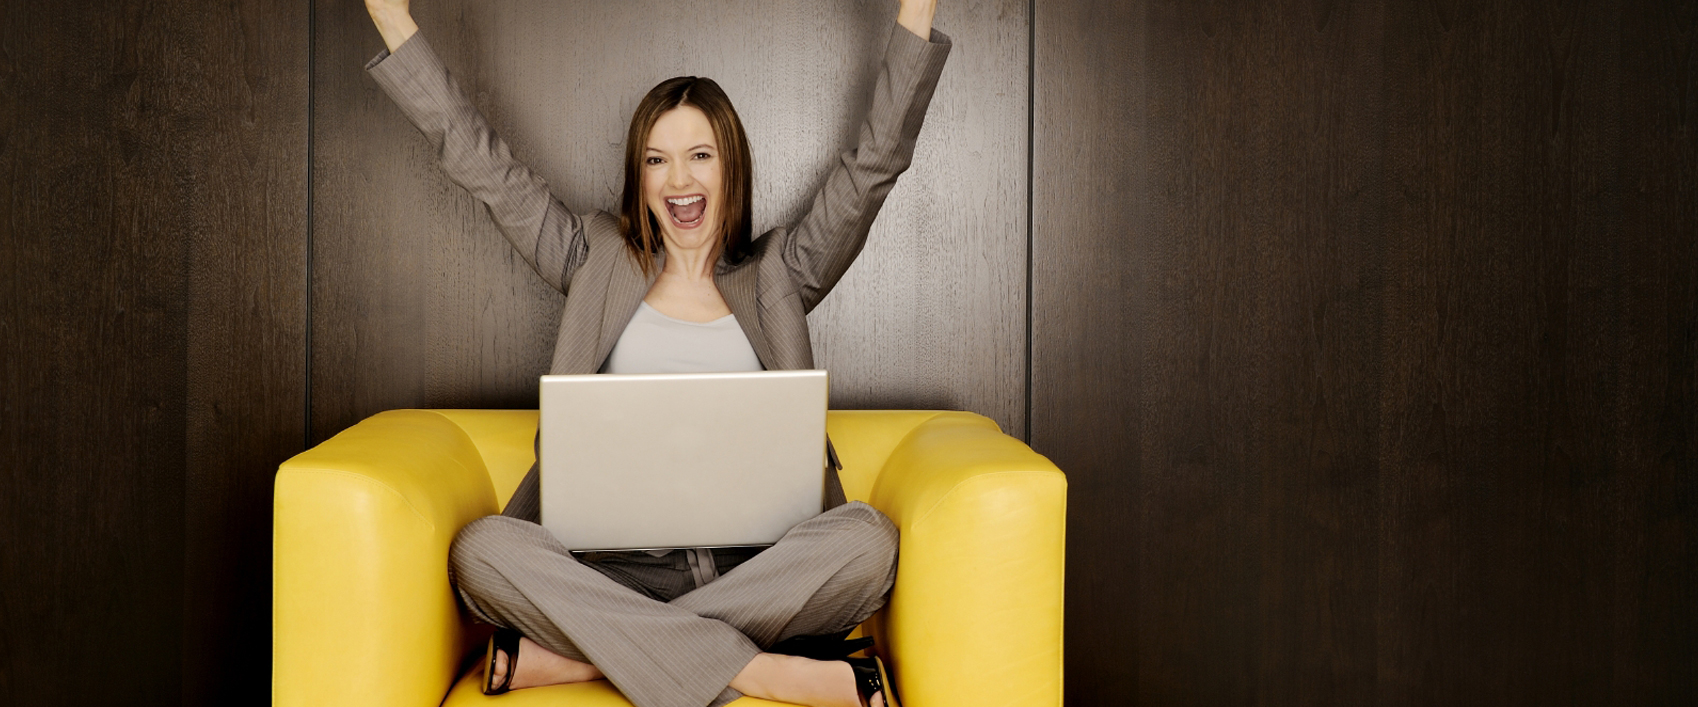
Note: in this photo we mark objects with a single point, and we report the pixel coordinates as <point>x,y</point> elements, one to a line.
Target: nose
<point>678,175</point>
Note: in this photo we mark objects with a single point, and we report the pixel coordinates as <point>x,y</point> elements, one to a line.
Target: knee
<point>477,548</point>
<point>871,537</point>
<point>861,519</point>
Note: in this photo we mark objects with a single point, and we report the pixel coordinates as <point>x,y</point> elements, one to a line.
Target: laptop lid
<point>656,461</point>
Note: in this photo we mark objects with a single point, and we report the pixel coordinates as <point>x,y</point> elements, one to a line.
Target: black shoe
<point>505,641</point>
<point>872,679</point>
<point>826,647</point>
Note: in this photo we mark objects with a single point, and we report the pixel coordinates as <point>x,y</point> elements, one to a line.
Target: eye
<point>703,156</point>
<point>653,160</point>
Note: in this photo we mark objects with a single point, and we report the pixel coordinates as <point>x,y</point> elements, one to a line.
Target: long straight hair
<point>638,224</point>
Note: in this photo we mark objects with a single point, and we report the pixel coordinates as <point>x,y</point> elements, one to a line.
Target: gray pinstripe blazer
<point>782,277</point>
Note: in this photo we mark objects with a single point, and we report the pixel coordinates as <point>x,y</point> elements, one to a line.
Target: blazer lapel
<point>626,288</point>
<point>738,286</point>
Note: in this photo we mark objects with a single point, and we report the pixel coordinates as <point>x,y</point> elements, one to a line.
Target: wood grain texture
<point>1652,418</point>
<point>92,411</point>
<point>1537,410</point>
<point>1365,333</point>
<point>152,244</point>
<point>1090,257</point>
<point>242,138</point>
<point>418,301</point>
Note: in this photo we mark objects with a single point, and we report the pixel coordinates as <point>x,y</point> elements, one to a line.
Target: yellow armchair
<point>362,613</point>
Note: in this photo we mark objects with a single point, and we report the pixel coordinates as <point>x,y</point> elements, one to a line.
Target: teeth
<point>684,201</point>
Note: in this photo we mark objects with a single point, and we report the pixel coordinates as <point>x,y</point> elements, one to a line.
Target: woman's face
<point>682,178</point>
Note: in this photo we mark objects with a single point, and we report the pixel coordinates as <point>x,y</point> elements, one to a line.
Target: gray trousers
<point>643,622</point>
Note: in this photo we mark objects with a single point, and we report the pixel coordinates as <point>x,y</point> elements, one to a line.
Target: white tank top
<point>655,343</point>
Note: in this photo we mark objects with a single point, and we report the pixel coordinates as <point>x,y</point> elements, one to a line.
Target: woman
<point>675,283</point>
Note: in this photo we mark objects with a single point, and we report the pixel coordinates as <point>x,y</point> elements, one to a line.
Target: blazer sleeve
<point>820,248</point>
<point>545,233</point>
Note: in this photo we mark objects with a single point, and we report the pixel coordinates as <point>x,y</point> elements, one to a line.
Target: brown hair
<point>641,230</point>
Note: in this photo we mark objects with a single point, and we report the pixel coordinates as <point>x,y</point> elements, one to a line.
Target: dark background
<point>1367,333</point>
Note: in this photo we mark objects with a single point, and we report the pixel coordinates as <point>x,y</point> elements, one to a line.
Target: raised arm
<point>916,16</point>
<point>820,248</point>
<point>541,229</point>
<point>394,21</point>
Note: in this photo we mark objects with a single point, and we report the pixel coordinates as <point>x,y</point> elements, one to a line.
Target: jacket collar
<point>627,286</point>
<point>738,286</point>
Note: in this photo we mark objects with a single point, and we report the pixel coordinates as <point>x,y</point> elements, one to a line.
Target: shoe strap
<point>506,642</point>
<point>867,680</point>
<point>827,647</point>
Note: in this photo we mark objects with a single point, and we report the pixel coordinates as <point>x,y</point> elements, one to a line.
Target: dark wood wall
<point>100,358</point>
<point>152,280</point>
<point>1367,334</point>
<point>244,214</point>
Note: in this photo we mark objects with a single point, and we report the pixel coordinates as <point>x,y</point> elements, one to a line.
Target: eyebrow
<point>698,147</point>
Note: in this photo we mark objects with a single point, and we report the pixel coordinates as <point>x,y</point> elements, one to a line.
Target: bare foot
<point>802,681</point>
<point>539,666</point>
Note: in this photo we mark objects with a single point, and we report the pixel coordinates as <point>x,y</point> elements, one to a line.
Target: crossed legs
<point>825,575</point>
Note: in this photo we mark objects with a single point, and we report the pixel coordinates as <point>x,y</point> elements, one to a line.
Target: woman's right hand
<point>394,21</point>
<point>916,15</point>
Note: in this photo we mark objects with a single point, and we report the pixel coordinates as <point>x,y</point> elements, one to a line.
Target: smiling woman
<point>686,136</point>
<point>675,282</point>
<point>688,181</point>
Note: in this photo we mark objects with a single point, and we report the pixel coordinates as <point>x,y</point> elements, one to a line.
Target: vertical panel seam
<point>312,112</point>
<point>1031,189</point>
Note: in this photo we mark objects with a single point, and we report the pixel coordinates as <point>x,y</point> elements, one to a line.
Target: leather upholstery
<point>363,613</point>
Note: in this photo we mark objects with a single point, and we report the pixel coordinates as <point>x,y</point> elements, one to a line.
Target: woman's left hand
<point>916,16</point>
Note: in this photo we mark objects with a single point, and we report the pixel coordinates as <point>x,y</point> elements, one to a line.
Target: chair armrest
<point>976,614</point>
<point>362,611</point>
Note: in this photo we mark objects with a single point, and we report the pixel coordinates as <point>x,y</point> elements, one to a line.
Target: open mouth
<point>687,211</point>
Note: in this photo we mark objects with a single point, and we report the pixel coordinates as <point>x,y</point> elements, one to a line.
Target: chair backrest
<point>864,440</point>
<point>507,441</point>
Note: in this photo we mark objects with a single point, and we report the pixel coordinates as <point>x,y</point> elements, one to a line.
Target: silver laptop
<point>635,462</point>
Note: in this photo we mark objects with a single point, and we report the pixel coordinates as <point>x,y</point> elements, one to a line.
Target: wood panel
<point>1090,286</point>
<point>1537,409</point>
<point>241,141</point>
<point>418,301</point>
<point>1652,402</point>
<point>152,250</point>
<point>92,434</point>
<point>1364,334</point>
<point>1187,300</point>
